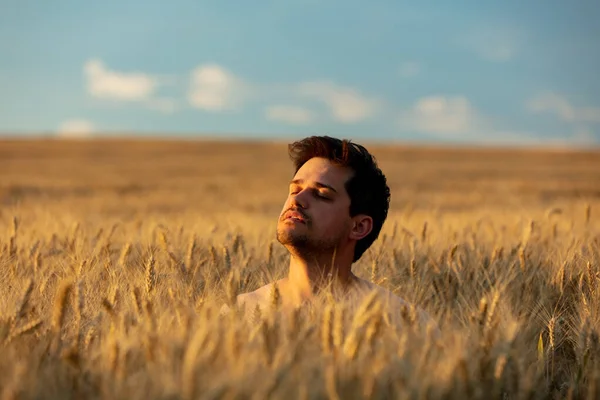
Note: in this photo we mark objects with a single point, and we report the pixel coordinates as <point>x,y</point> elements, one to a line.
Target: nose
<point>300,199</point>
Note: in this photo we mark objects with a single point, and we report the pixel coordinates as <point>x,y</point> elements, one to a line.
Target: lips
<point>295,216</point>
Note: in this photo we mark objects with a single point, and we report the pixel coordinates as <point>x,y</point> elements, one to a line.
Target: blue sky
<point>479,72</point>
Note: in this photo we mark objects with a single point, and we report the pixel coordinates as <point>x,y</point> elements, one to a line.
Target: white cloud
<point>559,106</point>
<point>441,115</point>
<point>409,69</point>
<point>213,88</point>
<point>104,83</point>
<point>456,119</point>
<point>138,87</point>
<point>345,104</point>
<point>75,128</point>
<point>290,114</point>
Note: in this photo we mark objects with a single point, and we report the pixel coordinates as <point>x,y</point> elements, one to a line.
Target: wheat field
<point>116,256</point>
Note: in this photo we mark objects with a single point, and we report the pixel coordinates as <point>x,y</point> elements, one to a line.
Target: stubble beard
<point>302,244</point>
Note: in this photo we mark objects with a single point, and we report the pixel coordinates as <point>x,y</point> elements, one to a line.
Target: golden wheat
<point>113,272</point>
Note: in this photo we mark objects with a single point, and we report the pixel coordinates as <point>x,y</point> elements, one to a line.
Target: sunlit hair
<point>367,187</point>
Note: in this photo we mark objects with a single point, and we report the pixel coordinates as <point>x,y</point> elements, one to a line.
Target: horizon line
<point>285,137</point>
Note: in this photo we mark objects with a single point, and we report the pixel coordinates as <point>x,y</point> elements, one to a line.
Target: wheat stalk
<point>22,304</point>
<point>326,328</point>
<point>60,305</point>
<point>150,274</point>
<point>189,258</point>
<point>125,252</point>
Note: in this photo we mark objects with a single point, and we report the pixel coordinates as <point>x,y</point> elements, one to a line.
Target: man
<point>337,203</point>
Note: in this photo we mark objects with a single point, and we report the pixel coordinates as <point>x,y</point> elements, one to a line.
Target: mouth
<point>294,216</point>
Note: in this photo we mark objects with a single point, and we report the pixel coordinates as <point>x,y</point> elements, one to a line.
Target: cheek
<point>331,220</point>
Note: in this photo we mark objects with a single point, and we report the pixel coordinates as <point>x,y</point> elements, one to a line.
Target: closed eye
<point>323,196</point>
<point>315,192</point>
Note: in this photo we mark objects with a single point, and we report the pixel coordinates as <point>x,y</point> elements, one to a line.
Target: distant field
<point>502,247</point>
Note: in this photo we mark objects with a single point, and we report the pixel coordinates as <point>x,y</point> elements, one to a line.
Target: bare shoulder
<point>257,297</point>
<point>250,300</point>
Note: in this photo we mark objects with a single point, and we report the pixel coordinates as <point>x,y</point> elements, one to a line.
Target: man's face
<point>316,214</point>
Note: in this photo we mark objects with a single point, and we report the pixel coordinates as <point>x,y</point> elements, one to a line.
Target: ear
<point>362,225</point>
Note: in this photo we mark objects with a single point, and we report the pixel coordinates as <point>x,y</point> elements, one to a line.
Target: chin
<point>286,236</point>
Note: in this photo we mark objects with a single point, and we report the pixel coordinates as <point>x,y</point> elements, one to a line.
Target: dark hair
<point>367,187</point>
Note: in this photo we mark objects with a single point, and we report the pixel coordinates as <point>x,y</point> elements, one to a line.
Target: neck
<point>308,276</point>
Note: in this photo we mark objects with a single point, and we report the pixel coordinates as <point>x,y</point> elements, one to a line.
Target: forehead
<point>321,170</point>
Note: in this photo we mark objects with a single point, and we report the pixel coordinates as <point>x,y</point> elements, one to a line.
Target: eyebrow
<point>317,184</point>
